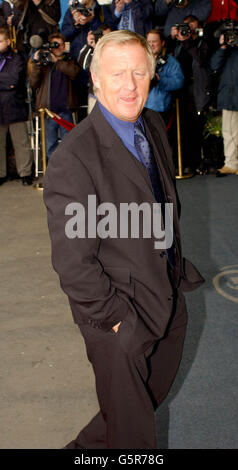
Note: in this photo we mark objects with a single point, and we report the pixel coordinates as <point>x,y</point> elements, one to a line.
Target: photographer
<point>168,77</point>
<point>85,59</point>
<point>176,10</point>
<point>13,110</point>
<point>11,14</point>
<point>225,60</point>
<point>38,17</point>
<point>192,52</point>
<point>53,78</point>
<point>133,15</point>
<point>80,18</point>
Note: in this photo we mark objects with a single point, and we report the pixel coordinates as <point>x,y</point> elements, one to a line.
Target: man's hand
<point>36,2</point>
<point>36,57</point>
<point>91,39</point>
<point>222,41</point>
<point>9,20</point>
<point>119,4</point>
<point>53,58</point>
<point>116,327</point>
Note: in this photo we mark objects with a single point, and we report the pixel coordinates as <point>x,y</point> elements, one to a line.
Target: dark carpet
<point>201,410</point>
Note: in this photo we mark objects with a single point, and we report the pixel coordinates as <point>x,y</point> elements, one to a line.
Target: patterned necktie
<point>147,157</point>
<point>125,17</point>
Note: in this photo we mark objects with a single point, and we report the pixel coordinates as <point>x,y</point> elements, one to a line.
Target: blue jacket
<point>226,61</point>
<point>171,78</point>
<point>77,35</point>
<point>142,14</point>
<point>199,8</point>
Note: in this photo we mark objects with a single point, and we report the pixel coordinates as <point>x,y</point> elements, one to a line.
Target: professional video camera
<point>178,3</point>
<point>230,31</point>
<point>76,5</point>
<point>44,56</point>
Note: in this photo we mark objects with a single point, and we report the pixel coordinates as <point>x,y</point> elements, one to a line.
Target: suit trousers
<point>230,137</point>
<point>130,385</point>
<point>21,144</point>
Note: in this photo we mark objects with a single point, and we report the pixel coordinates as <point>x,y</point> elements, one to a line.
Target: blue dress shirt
<point>124,129</point>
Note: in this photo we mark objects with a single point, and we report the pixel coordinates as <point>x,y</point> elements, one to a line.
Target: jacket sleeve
<point>144,6</point>
<point>162,8</point>
<point>68,67</point>
<point>68,29</point>
<point>36,75</point>
<point>172,77</point>
<point>52,9</point>
<point>202,10</point>
<point>12,78</point>
<point>199,54</point>
<point>91,295</point>
<point>218,59</point>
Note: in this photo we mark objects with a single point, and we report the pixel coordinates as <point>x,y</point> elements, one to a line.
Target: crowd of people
<point>194,42</point>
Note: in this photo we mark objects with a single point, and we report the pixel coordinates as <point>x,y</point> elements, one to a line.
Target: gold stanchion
<point>180,164</point>
<point>12,32</point>
<point>40,185</point>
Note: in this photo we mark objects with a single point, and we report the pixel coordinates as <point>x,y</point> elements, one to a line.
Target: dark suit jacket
<point>107,280</point>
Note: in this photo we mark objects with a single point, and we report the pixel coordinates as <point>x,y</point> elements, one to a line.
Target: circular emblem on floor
<point>226,282</point>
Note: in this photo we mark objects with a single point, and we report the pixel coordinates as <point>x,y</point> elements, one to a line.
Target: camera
<point>160,63</point>
<point>183,28</point>
<point>76,5</point>
<point>178,3</point>
<point>45,54</point>
<point>97,34</point>
<point>230,31</point>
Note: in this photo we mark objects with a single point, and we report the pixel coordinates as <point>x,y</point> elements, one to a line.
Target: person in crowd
<point>54,84</point>
<point>85,58</point>
<point>38,17</point>
<point>133,15</point>
<point>130,309</point>
<point>225,60</point>
<point>175,11</point>
<point>168,77</point>
<point>221,10</point>
<point>13,110</point>
<point>11,14</point>
<point>79,19</point>
<point>193,53</point>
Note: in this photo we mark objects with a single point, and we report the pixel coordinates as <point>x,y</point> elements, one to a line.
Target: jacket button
<point>162,254</point>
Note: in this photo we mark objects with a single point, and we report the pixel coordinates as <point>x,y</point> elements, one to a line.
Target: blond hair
<point>122,37</point>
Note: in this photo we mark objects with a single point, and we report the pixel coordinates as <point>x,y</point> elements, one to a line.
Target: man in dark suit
<point>125,292</point>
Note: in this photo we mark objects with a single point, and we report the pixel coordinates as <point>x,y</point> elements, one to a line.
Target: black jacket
<point>13,107</point>
<point>194,57</point>
<point>226,61</point>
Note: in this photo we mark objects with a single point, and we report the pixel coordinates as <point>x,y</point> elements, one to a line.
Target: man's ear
<point>95,79</point>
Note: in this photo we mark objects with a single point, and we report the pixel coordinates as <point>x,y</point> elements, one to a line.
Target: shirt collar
<point>124,129</point>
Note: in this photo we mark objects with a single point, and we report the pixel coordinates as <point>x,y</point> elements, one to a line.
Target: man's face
<point>155,43</point>
<point>59,50</point>
<point>123,80</point>
<point>192,24</point>
<point>4,43</point>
